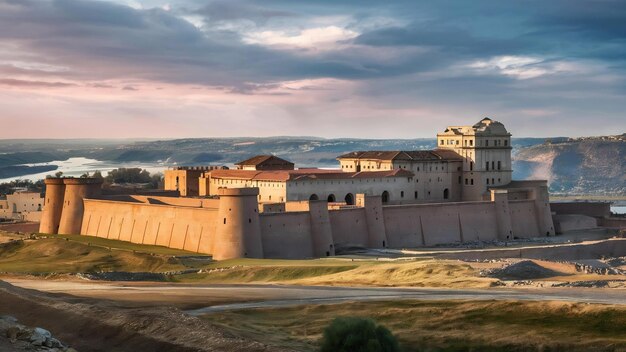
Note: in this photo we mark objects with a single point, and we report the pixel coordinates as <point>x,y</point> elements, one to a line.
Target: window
<point>459,179</point>
<point>499,165</point>
<point>506,142</point>
<point>487,181</point>
<point>471,142</point>
<point>487,166</point>
<point>465,181</point>
<point>471,165</point>
<point>493,165</point>
<point>486,143</point>
<point>415,194</point>
<point>441,143</point>
<point>401,194</point>
<point>492,181</point>
<point>472,181</point>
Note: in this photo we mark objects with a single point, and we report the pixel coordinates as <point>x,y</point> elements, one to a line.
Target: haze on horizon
<point>367,69</point>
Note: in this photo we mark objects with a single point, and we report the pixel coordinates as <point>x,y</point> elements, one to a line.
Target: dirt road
<point>200,299</point>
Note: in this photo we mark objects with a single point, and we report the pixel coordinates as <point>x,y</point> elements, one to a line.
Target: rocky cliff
<point>588,165</point>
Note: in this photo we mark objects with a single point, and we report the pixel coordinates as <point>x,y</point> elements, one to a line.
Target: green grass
<point>445,325</point>
<point>54,255</point>
<point>121,245</point>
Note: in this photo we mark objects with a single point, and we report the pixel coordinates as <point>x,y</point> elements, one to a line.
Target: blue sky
<point>401,69</point>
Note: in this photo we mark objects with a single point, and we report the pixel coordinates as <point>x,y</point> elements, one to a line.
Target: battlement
<point>235,192</point>
<point>198,168</point>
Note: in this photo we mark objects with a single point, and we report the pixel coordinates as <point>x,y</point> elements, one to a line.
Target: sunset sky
<point>340,68</point>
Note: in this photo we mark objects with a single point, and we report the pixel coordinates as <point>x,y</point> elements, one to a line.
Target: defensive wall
<point>569,216</point>
<point>233,226</point>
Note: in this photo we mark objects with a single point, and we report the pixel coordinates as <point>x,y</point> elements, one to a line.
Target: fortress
<point>266,208</point>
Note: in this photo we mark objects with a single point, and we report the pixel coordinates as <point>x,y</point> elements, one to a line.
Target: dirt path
<point>226,297</point>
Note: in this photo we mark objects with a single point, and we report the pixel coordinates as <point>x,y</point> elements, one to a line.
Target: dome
<point>489,126</point>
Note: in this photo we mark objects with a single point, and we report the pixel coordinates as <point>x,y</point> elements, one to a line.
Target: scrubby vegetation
<point>445,325</point>
<point>350,334</point>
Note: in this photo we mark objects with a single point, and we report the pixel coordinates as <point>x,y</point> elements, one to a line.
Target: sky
<point>340,68</point>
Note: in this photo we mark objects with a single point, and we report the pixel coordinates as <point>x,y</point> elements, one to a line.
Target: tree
<point>128,175</point>
<point>97,174</point>
<point>58,174</point>
<point>353,334</point>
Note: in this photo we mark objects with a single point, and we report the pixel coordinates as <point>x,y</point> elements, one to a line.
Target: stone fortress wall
<point>234,226</point>
<point>460,192</point>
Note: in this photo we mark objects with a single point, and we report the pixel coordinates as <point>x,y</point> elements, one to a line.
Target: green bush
<point>352,334</point>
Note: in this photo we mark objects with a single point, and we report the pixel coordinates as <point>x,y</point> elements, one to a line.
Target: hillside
<point>589,165</point>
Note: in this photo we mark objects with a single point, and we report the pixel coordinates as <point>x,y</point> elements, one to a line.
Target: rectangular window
<point>487,181</point>
<point>499,165</point>
<point>441,142</point>
<point>493,165</point>
<point>486,143</point>
<point>472,182</point>
<point>506,142</point>
<point>459,179</point>
<point>465,181</point>
<point>471,142</point>
<point>471,165</point>
<point>487,166</point>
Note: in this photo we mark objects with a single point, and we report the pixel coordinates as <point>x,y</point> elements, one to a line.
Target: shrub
<point>352,334</point>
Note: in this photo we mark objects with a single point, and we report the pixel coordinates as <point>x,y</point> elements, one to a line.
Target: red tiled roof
<point>302,174</point>
<point>411,155</point>
<point>259,159</point>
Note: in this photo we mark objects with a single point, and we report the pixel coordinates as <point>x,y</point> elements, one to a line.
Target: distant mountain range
<point>584,165</point>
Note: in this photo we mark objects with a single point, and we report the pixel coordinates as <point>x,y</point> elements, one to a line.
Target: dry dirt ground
<point>103,325</point>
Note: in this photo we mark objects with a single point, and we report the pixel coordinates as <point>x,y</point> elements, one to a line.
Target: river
<point>78,166</point>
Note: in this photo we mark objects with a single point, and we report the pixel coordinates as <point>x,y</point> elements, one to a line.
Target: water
<point>78,166</point>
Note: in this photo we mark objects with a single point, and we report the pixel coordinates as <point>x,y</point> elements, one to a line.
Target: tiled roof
<point>302,174</point>
<point>259,159</point>
<point>412,155</point>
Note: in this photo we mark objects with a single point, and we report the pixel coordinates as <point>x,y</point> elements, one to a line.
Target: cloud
<point>34,84</point>
<point>372,59</point>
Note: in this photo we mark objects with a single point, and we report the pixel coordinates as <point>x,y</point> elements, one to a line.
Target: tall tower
<point>53,205</point>
<point>238,229</point>
<point>76,189</point>
<point>486,151</point>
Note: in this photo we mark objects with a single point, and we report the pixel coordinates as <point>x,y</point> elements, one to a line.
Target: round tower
<point>53,205</point>
<point>76,189</point>
<point>238,230</point>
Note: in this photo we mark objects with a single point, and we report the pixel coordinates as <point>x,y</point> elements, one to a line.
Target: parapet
<point>198,168</point>
<point>238,192</point>
<point>82,181</point>
<point>54,181</point>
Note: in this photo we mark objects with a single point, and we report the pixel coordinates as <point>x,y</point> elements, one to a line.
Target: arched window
<point>385,197</point>
<point>446,194</point>
<point>331,198</point>
<point>314,197</point>
<point>349,199</point>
